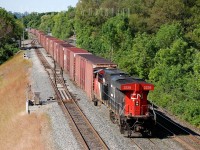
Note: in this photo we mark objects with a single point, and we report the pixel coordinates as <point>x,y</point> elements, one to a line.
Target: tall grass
<point>18,131</point>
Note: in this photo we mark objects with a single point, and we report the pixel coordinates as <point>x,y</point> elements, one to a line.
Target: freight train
<point>104,83</point>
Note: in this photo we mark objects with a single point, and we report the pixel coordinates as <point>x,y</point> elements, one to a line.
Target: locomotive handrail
<point>143,107</point>
<point>154,114</point>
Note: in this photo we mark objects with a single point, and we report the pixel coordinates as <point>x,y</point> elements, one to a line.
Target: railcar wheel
<point>149,133</point>
<point>95,103</point>
<point>146,133</point>
<point>112,117</point>
<point>122,130</point>
<point>122,125</point>
<point>129,131</point>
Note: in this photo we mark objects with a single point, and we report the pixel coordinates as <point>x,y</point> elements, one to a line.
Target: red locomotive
<point>125,96</point>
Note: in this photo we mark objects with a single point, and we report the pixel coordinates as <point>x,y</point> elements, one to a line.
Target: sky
<point>37,5</point>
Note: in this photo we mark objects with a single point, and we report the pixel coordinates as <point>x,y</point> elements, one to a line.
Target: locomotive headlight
<point>147,114</point>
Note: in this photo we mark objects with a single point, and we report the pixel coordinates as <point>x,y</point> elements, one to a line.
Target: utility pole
<point>111,52</point>
<point>23,38</point>
<point>55,72</point>
<point>48,31</point>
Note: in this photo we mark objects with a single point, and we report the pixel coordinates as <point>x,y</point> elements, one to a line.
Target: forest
<point>157,40</point>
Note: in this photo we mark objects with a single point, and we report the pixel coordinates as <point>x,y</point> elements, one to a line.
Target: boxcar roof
<point>58,41</point>
<point>118,78</point>
<point>48,36</point>
<point>127,80</point>
<point>52,38</point>
<point>96,59</point>
<point>113,71</point>
<point>77,50</point>
<point>66,45</point>
<point>41,32</point>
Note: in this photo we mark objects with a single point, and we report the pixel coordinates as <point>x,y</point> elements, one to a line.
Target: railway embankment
<point>19,130</point>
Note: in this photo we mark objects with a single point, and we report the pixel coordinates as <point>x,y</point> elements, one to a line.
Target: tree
<point>64,24</point>
<point>167,34</point>
<point>116,35</point>
<point>47,23</point>
<point>33,20</point>
<point>141,55</point>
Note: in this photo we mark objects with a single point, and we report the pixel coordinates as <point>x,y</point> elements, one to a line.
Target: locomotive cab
<point>126,98</point>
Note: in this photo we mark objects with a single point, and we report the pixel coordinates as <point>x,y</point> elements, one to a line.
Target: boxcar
<point>51,46</point>
<point>43,42</point>
<point>86,65</point>
<point>70,55</point>
<point>46,38</point>
<point>62,56</point>
<point>39,35</point>
<point>57,50</point>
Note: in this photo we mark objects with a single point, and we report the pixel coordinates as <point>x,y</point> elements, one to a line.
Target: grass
<point>17,129</point>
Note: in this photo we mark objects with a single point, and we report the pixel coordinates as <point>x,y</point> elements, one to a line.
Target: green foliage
<point>64,24</point>
<point>165,11</point>
<point>47,23</point>
<point>10,32</point>
<point>116,35</point>
<point>142,54</point>
<point>6,51</point>
<point>167,34</point>
<point>190,111</point>
<point>194,36</point>
<point>33,20</point>
<point>9,27</point>
<point>174,75</point>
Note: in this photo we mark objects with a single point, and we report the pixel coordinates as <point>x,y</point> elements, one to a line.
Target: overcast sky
<point>36,5</point>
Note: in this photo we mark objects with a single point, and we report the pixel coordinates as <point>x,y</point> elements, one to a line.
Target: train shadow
<point>30,47</point>
<point>166,127</point>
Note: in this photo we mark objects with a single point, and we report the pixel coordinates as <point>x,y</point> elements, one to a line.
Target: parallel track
<point>84,132</point>
<point>181,135</point>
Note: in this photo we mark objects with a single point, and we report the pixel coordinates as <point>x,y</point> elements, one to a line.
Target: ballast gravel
<point>63,138</point>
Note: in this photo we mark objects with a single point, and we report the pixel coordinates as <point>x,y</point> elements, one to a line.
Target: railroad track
<point>185,137</point>
<point>84,132</point>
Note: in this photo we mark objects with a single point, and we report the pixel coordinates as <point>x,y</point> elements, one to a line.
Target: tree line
<point>158,40</point>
